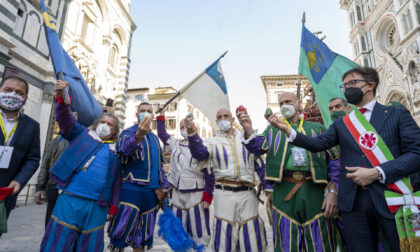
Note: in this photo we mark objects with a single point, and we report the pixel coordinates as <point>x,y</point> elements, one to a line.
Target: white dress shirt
<point>9,124</point>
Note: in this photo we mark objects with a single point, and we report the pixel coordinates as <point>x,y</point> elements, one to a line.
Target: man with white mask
<point>192,187</point>
<point>303,181</point>
<point>144,184</point>
<point>88,173</point>
<point>237,224</point>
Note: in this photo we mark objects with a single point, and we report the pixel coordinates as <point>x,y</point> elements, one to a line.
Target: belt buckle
<point>297,175</point>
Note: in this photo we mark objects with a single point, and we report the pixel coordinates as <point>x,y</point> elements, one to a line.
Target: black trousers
<point>361,226</point>
<point>52,196</point>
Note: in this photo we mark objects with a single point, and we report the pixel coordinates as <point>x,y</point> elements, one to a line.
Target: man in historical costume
<point>144,184</point>
<point>303,199</point>
<point>363,176</point>
<point>192,187</point>
<point>237,224</point>
<point>88,173</point>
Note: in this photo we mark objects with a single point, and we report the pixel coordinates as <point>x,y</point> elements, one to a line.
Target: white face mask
<point>103,130</point>
<point>184,134</point>
<point>11,101</point>
<point>288,110</point>
<point>224,125</point>
<point>143,114</point>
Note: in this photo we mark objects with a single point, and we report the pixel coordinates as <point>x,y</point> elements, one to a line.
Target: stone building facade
<point>275,85</point>
<point>95,33</point>
<point>385,34</point>
<point>97,36</point>
<point>24,52</point>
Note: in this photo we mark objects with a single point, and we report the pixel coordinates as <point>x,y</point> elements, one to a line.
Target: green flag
<point>324,69</point>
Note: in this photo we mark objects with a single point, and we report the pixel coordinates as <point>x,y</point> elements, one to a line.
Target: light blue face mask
<point>143,114</point>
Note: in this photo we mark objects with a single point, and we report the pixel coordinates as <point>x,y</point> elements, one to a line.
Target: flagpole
<point>299,84</point>
<point>184,88</point>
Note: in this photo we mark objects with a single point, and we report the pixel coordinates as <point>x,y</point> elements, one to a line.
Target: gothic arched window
<point>364,48</point>
<point>359,13</point>
<point>366,62</point>
<point>113,57</point>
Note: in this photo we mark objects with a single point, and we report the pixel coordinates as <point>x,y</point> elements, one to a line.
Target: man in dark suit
<point>19,132</point>
<point>361,196</point>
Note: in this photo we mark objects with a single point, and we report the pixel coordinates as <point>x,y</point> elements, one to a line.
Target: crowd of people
<point>323,189</point>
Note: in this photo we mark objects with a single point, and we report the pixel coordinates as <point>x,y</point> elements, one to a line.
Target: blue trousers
<point>135,221</point>
<point>75,223</point>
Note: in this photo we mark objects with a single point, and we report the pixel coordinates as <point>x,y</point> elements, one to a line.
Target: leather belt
<point>299,179</point>
<point>298,175</point>
<point>233,189</point>
<point>234,183</point>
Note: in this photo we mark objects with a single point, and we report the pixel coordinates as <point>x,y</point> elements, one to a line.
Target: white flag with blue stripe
<point>208,92</point>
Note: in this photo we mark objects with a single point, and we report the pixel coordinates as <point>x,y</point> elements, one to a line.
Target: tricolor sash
<point>401,200</point>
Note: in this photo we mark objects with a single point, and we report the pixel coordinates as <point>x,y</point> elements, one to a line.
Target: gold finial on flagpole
<point>303,17</point>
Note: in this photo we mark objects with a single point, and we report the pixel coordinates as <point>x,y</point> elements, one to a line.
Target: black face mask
<point>354,95</point>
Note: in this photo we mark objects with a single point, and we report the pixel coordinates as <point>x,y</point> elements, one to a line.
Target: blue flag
<point>82,102</point>
<point>324,69</point>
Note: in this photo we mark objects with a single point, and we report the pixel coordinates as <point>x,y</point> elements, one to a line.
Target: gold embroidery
<point>287,216</point>
<point>312,238</point>
<point>312,166</point>
<point>131,211</point>
<point>185,209</point>
<point>93,229</point>
<point>65,224</point>
<point>245,221</point>
<point>222,219</point>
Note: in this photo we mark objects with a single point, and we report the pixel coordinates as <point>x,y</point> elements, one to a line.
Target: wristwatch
<point>330,190</point>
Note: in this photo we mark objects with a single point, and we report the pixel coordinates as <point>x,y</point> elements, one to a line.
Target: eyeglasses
<point>351,83</point>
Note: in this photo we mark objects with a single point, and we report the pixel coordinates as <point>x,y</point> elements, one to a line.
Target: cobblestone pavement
<point>26,228</point>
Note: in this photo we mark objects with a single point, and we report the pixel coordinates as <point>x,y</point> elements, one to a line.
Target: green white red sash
<point>401,200</point>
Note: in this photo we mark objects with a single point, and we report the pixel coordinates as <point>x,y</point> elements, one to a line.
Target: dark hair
<point>339,98</point>
<point>368,73</point>
<point>117,124</point>
<point>12,77</point>
<point>144,103</point>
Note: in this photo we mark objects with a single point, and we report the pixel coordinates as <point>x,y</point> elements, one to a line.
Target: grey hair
<point>117,124</point>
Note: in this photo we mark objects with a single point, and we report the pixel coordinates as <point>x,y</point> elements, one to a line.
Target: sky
<point>176,40</point>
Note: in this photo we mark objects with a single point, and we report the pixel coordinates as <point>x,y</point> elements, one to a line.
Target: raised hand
<point>60,86</point>
<point>190,125</point>
<point>276,122</point>
<point>143,129</point>
<point>245,121</point>
<point>161,109</point>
